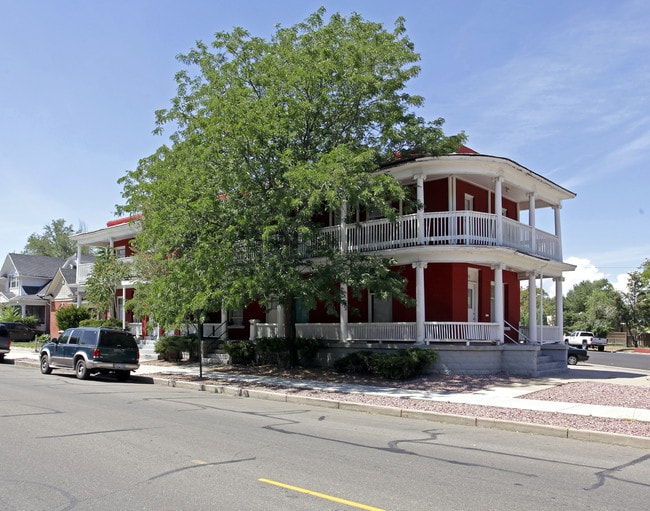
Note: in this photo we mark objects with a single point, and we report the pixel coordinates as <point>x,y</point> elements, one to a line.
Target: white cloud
<point>620,284</point>
<point>585,270</point>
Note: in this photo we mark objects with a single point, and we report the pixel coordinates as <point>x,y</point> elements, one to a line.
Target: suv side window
<point>88,338</point>
<point>65,336</point>
<point>74,337</point>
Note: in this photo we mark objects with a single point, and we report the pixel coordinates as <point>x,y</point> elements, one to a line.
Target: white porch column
<point>498,208</point>
<point>558,228</point>
<point>77,281</point>
<point>420,213</point>
<point>344,330</point>
<point>531,222</point>
<point>559,306</point>
<point>419,302</point>
<point>224,321</point>
<point>123,311</point>
<point>281,320</point>
<point>532,308</point>
<point>499,312</point>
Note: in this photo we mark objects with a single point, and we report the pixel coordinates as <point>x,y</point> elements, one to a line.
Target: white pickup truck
<point>585,340</point>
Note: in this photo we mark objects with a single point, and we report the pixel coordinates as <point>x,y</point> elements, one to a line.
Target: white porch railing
<point>459,331</point>
<point>446,228</point>
<point>545,334</point>
<point>435,331</point>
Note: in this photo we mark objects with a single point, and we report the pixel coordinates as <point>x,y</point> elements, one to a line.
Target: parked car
<point>575,355</point>
<point>20,331</point>
<point>5,341</point>
<point>89,350</point>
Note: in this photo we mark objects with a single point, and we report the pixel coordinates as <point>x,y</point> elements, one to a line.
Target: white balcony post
<point>532,308</point>
<point>419,302</point>
<point>531,222</point>
<point>498,208</point>
<point>498,302</point>
<point>420,213</point>
<point>558,229</point>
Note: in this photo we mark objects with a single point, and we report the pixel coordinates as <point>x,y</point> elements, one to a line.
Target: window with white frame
<point>120,252</point>
<point>14,282</point>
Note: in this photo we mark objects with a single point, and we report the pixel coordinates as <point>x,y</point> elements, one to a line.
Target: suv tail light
<point>96,353</point>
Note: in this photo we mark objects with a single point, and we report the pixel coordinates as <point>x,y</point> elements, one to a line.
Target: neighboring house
<point>62,289</point>
<point>23,278</point>
<point>487,225</point>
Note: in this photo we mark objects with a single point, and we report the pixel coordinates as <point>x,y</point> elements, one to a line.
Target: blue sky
<point>561,87</point>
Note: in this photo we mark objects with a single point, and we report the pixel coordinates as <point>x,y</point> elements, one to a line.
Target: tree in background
<point>548,308</point>
<point>592,306</point>
<point>270,135</point>
<point>71,316</point>
<point>636,311</point>
<point>53,242</point>
<point>103,282</point>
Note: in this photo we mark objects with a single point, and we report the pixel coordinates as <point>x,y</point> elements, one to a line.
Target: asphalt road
<point>620,359</point>
<point>99,445</point>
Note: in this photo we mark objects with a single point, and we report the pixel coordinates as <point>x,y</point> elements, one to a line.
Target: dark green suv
<point>89,350</point>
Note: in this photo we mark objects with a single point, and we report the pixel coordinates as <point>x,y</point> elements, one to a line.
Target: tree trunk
<point>290,330</point>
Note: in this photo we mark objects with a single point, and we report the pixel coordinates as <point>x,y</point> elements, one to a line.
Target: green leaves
<point>270,138</point>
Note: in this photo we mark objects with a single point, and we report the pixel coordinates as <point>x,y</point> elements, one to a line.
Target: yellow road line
<point>321,495</point>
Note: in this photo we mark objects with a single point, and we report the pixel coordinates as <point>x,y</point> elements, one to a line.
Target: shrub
<point>400,365</point>
<point>173,346</point>
<point>275,350</point>
<point>308,348</point>
<point>358,362</point>
<point>241,352</point>
<point>71,316</point>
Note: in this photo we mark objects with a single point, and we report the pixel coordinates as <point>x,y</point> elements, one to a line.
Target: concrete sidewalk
<point>500,396</point>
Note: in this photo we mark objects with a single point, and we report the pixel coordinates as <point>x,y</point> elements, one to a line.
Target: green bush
<point>172,347</point>
<point>358,362</point>
<point>275,350</point>
<point>241,352</point>
<point>400,365</point>
<point>71,317</point>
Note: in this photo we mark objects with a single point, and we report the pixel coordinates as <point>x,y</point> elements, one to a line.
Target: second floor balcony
<point>468,228</point>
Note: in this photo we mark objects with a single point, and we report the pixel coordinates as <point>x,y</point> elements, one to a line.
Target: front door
<point>472,295</point>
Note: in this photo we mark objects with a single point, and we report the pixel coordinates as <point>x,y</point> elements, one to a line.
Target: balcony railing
<point>446,228</point>
<point>85,269</point>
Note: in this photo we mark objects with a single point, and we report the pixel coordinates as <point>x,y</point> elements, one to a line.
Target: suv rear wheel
<point>81,370</point>
<point>45,364</point>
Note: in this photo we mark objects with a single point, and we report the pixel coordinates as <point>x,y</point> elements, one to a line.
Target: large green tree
<point>594,306</point>
<point>636,301</point>
<point>54,241</point>
<point>104,281</point>
<point>270,135</point>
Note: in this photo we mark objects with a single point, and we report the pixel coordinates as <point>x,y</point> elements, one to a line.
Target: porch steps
<point>547,366</point>
<point>147,349</point>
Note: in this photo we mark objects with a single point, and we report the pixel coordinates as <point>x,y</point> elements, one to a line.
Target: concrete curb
<point>461,420</point>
